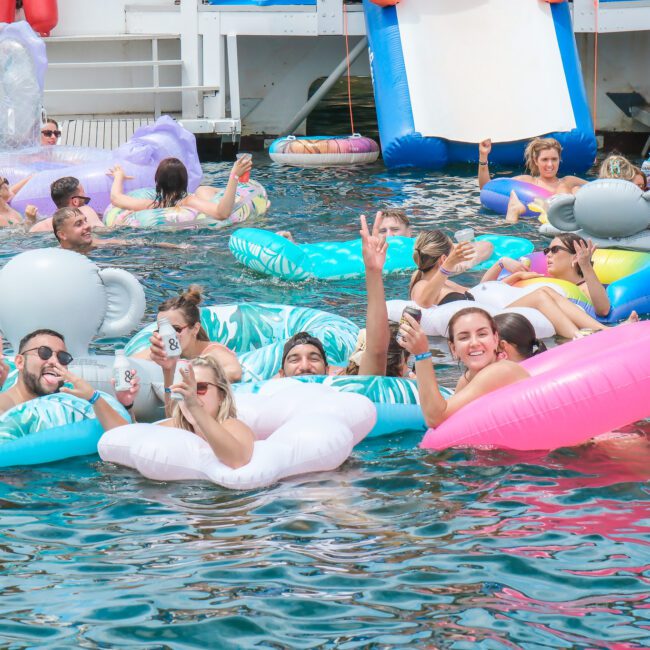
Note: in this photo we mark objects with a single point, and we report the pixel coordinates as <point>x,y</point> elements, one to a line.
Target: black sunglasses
<point>555,250</point>
<point>85,199</point>
<point>49,133</point>
<point>45,352</point>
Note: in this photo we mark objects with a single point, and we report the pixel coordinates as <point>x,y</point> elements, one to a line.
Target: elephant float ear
<point>560,212</point>
<point>125,303</point>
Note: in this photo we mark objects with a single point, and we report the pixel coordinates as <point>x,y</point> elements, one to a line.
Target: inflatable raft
<point>324,151</point>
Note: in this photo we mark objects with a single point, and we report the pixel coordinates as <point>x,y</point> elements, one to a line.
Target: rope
<point>595,95</point>
<point>347,56</point>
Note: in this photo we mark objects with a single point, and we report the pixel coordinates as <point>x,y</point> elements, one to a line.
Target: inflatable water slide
<point>450,73</point>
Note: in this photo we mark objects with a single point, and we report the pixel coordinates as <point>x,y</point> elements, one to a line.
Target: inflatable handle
<point>560,212</point>
<point>125,303</point>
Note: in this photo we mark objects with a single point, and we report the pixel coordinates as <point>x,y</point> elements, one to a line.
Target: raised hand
<point>127,397</point>
<point>158,354</point>
<point>411,335</point>
<point>584,252</point>
<point>373,245</point>
<point>187,387</point>
<point>80,387</point>
<point>460,253</point>
<point>484,148</point>
<point>242,165</point>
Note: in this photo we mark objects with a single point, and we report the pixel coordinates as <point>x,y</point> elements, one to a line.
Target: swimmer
<point>208,410</point>
<point>67,192</point>
<point>436,256</point>
<point>42,363</point>
<point>517,335</point>
<point>171,190</point>
<point>474,341</point>
<point>8,216</point>
<point>542,157</point>
<point>184,316</point>
<point>50,132</point>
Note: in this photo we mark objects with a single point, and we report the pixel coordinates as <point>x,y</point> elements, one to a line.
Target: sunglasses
<point>202,387</point>
<point>84,199</point>
<point>45,352</point>
<point>177,328</point>
<point>48,133</point>
<point>555,250</point>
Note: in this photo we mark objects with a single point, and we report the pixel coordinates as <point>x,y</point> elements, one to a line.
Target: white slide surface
<point>484,68</point>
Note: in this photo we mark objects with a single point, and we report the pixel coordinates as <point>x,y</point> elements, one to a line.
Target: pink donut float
<point>576,391</point>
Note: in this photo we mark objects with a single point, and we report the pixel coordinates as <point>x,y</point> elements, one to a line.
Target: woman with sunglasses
<point>435,256</point>
<point>50,133</point>
<point>184,315</point>
<point>171,190</point>
<point>207,408</point>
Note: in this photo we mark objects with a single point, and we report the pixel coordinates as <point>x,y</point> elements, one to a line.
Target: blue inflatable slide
<point>450,73</point>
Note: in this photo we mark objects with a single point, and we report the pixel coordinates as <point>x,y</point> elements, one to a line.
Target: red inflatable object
<point>42,15</point>
<point>7,11</point>
<point>385,3</point>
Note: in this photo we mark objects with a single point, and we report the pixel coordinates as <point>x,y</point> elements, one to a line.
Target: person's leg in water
<point>515,208</point>
<point>567,318</point>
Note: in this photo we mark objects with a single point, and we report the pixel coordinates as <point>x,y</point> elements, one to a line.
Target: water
<point>398,548</point>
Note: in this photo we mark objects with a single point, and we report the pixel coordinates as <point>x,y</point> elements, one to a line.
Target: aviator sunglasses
<point>555,250</point>
<point>45,352</point>
<point>48,133</point>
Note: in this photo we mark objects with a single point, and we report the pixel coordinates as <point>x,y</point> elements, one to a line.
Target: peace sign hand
<point>373,246</point>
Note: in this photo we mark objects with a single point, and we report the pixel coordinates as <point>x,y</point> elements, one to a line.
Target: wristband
<point>234,177</point>
<point>444,271</point>
<point>500,263</point>
<point>94,397</point>
<point>168,390</point>
<point>483,164</point>
<point>423,356</point>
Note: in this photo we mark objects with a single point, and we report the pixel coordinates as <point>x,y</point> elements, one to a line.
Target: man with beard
<point>42,363</point>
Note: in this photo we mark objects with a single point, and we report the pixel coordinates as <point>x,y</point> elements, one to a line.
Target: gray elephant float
<point>613,213</point>
<point>66,292</point>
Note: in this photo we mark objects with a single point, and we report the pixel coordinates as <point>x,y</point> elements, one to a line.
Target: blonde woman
<point>542,157</point>
<point>617,166</point>
<point>208,409</point>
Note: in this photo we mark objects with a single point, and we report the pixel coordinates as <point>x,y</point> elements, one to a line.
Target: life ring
<point>495,195</point>
<point>251,202</point>
<point>324,151</point>
<point>576,391</point>
<point>300,428</point>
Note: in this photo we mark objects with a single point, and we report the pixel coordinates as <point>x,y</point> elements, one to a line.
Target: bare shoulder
<point>6,402</point>
<point>503,372</point>
<point>526,178</point>
<point>238,428</point>
<point>42,226</point>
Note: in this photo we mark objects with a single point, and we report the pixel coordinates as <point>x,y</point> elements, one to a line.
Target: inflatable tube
<point>22,76</point>
<point>42,15</point>
<point>251,202</point>
<point>625,273</point>
<point>396,399</point>
<point>270,254</point>
<point>639,242</point>
<point>495,195</point>
<point>257,332</point>
<point>574,394</point>
<point>324,151</point>
<point>139,157</point>
<point>299,429</point>
<point>491,296</point>
<point>50,428</point>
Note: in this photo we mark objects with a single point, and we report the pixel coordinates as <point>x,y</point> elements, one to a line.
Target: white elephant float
<point>613,213</point>
<point>66,292</point>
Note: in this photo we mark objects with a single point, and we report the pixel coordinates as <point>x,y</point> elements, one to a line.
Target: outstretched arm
<point>121,200</point>
<point>484,149</point>
<point>373,248</point>
<point>595,290</point>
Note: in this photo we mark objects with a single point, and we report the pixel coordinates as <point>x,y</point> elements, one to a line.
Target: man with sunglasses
<point>67,192</point>
<point>42,363</point>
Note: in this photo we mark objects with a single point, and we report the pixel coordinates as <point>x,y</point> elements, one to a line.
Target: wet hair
<point>617,166</point>
<point>519,332</point>
<point>639,172</point>
<point>429,246</point>
<point>171,183</point>
<point>227,407</point>
<point>61,216</point>
<point>398,215</point>
<point>302,338</point>
<point>50,120</point>
<point>63,189</point>
<point>188,304</point>
<point>42,332</point>
<point>466,312</point>
<point>568,239</point>
<point>534,148</point>
<point>396,356</point>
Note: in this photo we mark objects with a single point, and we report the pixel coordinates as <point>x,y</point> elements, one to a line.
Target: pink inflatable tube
<point>576,391</point>
<point>139,157</point>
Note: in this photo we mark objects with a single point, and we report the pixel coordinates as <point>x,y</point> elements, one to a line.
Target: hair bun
<point>194,294</point>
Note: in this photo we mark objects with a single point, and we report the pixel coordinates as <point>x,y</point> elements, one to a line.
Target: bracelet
<point>444,271</point>
<point>500,263</point>
<point>94,397</point>
<point>483,164</point>
<point>423,356</point>
<point>168,390</point>
<point>234,177</point>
